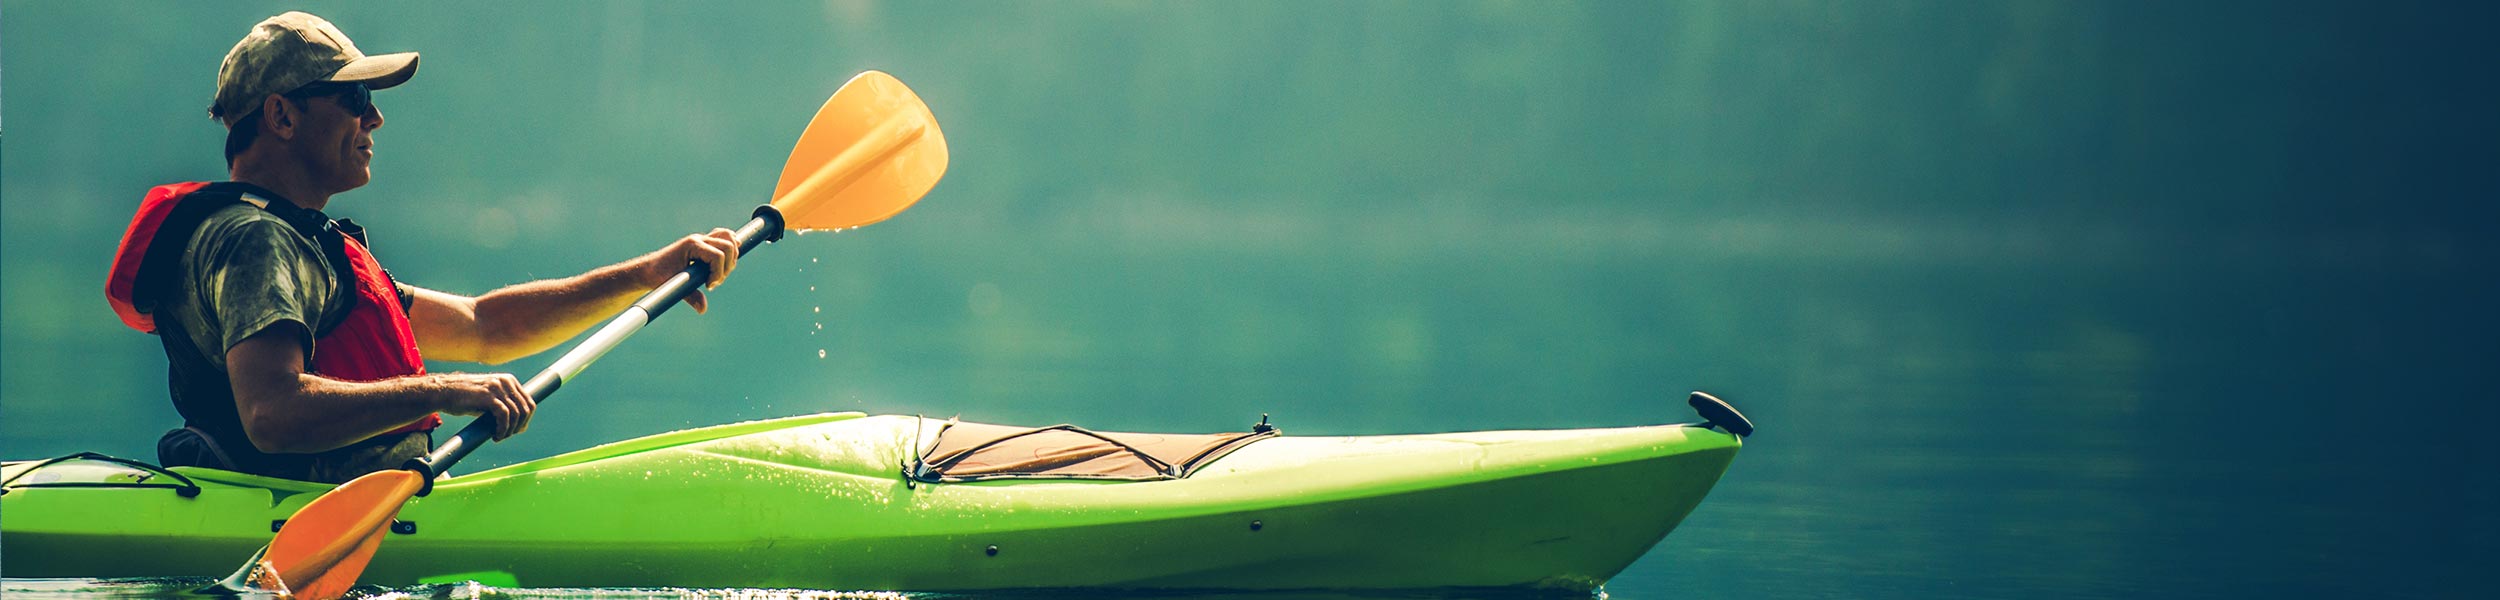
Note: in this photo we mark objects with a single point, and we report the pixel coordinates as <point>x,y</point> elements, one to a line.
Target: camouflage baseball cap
<point>289,50</point>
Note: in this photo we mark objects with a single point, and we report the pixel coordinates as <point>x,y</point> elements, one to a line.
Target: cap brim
<point>380,71</point>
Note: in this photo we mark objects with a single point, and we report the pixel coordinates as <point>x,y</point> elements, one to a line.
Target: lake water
<point>2077,434</point>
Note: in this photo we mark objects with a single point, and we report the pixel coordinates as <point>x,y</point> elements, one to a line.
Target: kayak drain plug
<point>993,550</point>
<point>1255,525</point>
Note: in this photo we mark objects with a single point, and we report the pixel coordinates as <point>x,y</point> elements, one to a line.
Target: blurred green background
<point>2081,299</point>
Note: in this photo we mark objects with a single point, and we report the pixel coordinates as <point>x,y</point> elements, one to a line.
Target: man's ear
<point>277,117</point>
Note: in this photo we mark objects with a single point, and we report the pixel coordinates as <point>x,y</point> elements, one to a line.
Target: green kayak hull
<point>820,502</point>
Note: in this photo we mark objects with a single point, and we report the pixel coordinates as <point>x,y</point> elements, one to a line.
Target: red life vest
<point>372,342</point>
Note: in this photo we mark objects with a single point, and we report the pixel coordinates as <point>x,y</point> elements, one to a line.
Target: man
<point>293,354</point>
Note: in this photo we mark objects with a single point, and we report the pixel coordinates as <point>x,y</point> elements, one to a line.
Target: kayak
<point>829,501</point>
<point>851,501</point>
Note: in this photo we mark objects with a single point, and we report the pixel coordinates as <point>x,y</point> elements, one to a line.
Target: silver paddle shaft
<point>765,227</point>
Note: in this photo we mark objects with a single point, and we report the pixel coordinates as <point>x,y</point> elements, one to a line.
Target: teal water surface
<point>2037,299</point>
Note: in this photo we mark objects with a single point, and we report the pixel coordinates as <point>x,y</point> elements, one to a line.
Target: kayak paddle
<point>870,152</point>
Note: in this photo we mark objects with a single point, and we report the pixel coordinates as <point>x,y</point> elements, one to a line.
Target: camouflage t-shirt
<point>247,270</point>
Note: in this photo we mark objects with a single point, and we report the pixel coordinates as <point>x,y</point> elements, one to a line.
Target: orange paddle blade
<point>872,151</point>
<point>341,576</point>
<point>321,551</point>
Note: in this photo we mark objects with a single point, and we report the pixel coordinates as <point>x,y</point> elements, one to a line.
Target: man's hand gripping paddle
<point>872,151</point>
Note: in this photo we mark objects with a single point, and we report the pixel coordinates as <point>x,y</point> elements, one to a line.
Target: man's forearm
<point>312,414</point>
<point>525,319</point>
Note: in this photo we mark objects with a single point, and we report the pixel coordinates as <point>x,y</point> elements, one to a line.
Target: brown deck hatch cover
<point>977,451</point>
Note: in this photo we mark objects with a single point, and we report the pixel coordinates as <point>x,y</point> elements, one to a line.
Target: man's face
<point>334,136</point>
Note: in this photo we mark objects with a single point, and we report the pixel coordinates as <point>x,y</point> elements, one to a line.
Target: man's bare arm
<point>528,318</point>
<point>285,410</point>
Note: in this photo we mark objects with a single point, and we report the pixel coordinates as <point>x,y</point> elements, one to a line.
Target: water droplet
<point>820,325</point>
<point>811,288</point>
<point>811,261</point>
<point>820,309</point>
<point>820,353</point>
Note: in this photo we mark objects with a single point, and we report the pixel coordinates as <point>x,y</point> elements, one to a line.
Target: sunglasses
<point>353,96</point>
